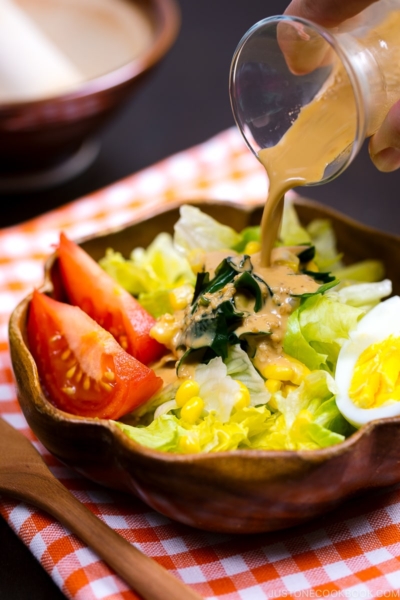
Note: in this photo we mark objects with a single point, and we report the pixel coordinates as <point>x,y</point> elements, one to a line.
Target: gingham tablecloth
<point>353,552</point>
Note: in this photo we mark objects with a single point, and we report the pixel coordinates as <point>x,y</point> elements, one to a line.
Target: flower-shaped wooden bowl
<point>240,491</point>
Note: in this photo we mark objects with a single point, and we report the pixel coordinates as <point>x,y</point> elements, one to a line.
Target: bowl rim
<point>166,18</point>
<point>43,405</point>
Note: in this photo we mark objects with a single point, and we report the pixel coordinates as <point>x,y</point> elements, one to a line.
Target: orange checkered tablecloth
<point>353,552</point>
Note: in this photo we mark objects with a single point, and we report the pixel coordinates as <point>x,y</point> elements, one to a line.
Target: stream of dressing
<point>325,128</point>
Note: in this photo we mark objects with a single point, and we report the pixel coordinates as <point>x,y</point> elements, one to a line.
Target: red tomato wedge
<point>88,286</point>
<point>83,370</point>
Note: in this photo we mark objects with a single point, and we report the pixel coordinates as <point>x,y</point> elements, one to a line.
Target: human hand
<point>384,145</point>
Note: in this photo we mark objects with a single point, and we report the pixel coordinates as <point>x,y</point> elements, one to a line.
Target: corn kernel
<point>288,389</point>
<point>242,398</point>
<point>192,409</point>
<point>300,371</point>
<point>164,329</point>
<point>252,247</point>
<point>188,445</point>
<point>272,403</point>
<point>286,369</point>
<point>273,385</point>
<point>312,266</point>
<point>282,372</point>
<point>283,256</point>
<point>196,260</point>
<point>181,296</point>
<point>187,390</point>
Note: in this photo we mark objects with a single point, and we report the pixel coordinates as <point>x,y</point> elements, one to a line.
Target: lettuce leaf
<point>209,435</point>
<point>304,419</point>
<point>150,274</point>
<point>159,267</point>
<point>366,271</point>
<point>317,387</point>
<point>157,303</point>
<point>143,414</point>
<point>165,266</point>
<point>249,234</point>
<point>363,295</point>
<point>195,229</point>
<point>162,434</point>
<point>323,238</point>
<point>133,279</point>
<point>308,419</point>
<point>292,233</point>
<point>217,389</point>
<point>317,329</point>
<point>240,367</point>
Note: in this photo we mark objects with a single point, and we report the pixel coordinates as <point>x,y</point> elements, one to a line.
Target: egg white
<point>376,326</point>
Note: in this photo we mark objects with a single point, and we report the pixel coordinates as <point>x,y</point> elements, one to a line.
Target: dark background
<point>185,102</point>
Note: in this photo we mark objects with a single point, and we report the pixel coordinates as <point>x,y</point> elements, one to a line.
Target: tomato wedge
<point>83,370</point>
<point>88,286</point>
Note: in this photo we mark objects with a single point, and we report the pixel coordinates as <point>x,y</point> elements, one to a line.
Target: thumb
<point>329,13</point>
<point>384,146</point>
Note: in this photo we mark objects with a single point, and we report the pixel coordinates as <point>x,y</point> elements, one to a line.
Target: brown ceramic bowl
<point>241,491</point>
<point>48,141</point>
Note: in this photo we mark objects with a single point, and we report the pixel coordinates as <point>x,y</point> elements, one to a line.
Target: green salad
<point>253,352</point>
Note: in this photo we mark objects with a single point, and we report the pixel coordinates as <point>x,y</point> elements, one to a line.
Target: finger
<point>329,13</point>
<point>384,146</point>
<point>303,48</point>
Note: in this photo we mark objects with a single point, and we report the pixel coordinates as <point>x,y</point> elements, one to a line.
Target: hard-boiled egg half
<point>368,367</point>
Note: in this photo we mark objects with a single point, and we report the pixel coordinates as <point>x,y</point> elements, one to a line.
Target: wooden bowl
<point>240,491</point>
<point>44,142</point>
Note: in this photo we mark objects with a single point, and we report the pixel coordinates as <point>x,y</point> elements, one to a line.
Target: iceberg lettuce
<point>157,303</point>
<point>158,267</point>
<point>218,390</point>
<point>249,234</point>
<point>292,233</point>
<point>240,367</point>
<point>195,229</point>
<point>324,239</point>
<point>162,433</point>
<point>209,435</point>
<point>366,270</point>
<point>363,295</point>
<point>307,418</point>
<point>317,329</point>
<point>151,273</point>
<point>301,418</point>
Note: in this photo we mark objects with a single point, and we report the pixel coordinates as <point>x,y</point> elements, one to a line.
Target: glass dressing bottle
<point>305,97</point>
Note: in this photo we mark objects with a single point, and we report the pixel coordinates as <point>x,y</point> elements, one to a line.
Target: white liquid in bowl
<point>49,46</point>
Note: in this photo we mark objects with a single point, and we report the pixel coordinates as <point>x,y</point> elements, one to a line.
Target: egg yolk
<point>376,376</point>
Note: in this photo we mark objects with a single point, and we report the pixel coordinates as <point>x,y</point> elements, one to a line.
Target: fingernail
<point>387,160</point>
